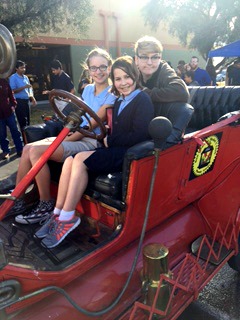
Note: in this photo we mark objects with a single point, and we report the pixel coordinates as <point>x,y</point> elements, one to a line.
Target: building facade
<point>116,25</point>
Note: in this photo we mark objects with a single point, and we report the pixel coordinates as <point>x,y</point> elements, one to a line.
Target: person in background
<point>132,114</point>
<point>84,80</point>
<point>200,75</point>
<point>23,93</point>
<point>8,119</point>
<point>98,98</point>
<point>211,71</point>
<point>60,79</point>
<point>233,74</point>
<point>181,68</point>
<point>160,81</point>
<point>188,78</point>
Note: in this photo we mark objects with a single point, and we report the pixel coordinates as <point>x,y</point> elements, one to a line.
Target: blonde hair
<point>97,52</point>
<point>148,44</point>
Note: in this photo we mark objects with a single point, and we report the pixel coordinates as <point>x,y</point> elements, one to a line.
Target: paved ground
<point>8,170</point>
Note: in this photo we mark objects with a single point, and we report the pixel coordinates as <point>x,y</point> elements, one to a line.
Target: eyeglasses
<point>101,68</point>
<point>146,58</point>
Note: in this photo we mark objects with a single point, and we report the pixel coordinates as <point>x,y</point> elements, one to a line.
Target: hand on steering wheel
<point>76,115</point>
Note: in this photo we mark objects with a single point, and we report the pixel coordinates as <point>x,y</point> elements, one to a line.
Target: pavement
<point>8,171</point>
<point>8,168</point>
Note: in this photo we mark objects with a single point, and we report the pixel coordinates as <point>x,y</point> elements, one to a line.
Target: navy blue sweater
<point>131,125</point>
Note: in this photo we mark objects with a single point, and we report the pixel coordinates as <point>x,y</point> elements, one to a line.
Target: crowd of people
<point>192,74</point>
<point>132,85</point>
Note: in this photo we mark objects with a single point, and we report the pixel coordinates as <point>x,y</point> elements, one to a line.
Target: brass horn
<point>7,52</point>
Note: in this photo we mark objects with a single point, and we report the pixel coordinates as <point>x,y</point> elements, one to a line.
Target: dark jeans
<point>11,123</point>
<point>23,112</point>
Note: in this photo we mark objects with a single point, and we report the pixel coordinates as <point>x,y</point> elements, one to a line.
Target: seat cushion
<point>41,131</point>
<point>110,184</point>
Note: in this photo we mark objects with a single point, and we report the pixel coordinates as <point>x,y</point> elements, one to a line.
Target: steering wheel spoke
<point>71,108</point>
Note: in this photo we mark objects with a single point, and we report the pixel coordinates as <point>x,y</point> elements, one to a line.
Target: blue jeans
<point>11,122</point>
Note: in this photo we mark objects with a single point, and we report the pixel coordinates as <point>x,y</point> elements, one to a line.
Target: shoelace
<point>54,227</point>
<point>45,219</point>
<point>38,208</point>
<point>43,205</point>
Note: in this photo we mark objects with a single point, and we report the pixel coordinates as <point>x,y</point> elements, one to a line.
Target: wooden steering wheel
<point>78,109</point>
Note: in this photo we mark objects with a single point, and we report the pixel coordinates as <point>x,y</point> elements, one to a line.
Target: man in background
<point>8,119</point>
<point>233,74</point>
<point>60,81</point>
<point>23,93</point>
<point>200,75</point>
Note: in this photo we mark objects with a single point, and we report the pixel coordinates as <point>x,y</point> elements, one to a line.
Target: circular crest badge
<point>205,155</point>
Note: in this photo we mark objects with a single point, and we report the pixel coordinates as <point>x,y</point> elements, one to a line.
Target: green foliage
<point>27,18</point>
<point>198,24</point>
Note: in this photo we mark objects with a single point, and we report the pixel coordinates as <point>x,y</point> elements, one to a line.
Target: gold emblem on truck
<point>205,155</point>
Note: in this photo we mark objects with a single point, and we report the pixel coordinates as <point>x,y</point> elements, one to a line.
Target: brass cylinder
<point>163,296</point>
<point>155,261</point>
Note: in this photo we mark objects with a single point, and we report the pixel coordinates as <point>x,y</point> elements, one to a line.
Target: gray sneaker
<point>59,231</point>
<point>18,207</point>
<point>43,210</point>
<point>46,227</point>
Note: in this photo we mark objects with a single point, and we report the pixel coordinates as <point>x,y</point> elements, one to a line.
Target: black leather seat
<point>210,103</point>
<point>111,188</point>
<point>179,114</point>
<point>41,131</point>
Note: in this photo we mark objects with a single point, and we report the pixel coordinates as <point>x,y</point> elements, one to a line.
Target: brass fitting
<point>155,263</point>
